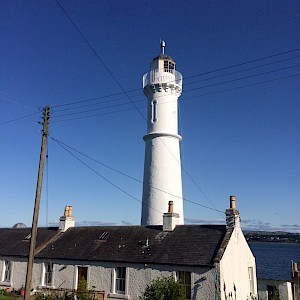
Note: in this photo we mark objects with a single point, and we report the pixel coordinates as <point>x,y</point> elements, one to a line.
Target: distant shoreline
<point>272,237</point>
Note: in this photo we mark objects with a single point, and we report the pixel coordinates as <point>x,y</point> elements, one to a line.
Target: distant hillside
<point>276,237</point>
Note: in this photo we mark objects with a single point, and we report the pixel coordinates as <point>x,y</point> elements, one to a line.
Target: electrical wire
<point>200,74</point>
<point>127,95</point>
<point>183,99</point>
<point>64,145</point>
<point>189,90</point>
<point>19,119</point>
<point>101,176</point>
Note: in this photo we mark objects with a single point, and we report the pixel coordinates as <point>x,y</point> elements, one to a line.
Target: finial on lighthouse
<point>162,45</point>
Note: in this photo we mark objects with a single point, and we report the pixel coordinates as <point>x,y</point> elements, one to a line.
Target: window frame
<point>184,284</point>
<point>7,268</point>
<point>251,279</point>
<point>154,111</point>
<point>45,274</point>
<point>272,291</point>
<point>115,293</point>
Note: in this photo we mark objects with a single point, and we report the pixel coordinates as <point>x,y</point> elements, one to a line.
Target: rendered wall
<point>203,283</point>
<point>18,275</point>
<point>234,265</point>
<point>284,288</point>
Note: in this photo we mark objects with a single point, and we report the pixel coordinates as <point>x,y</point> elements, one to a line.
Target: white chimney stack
<point>67,220</point>
<point>170,219</point>
<point>232,214</point>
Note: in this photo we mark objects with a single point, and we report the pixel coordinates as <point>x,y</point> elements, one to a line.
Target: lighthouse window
<point>169,66</point>
<point>166,66</point>
<point>154,111</point>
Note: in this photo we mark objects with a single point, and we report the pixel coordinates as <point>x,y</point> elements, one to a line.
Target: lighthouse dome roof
<point>163,56</point>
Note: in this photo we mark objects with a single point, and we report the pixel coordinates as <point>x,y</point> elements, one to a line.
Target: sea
<point>274,260</point>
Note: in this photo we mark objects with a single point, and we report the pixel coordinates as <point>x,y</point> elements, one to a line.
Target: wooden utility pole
<point>46,113</point>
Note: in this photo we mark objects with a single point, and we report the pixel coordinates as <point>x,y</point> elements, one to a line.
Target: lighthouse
<point>162,168</point>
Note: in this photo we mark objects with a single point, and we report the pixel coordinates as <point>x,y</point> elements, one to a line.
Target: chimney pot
<point>67,220</point>
<point>232,202</point>
<point>295,267</point>
<point>171,207</point>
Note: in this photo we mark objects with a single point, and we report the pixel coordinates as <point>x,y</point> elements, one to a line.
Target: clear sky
<point>240,125</point>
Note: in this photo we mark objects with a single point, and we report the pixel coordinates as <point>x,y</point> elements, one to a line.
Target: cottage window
<point>184,279</point>
<point>47,273</point>
<point>273,292</point>
<point>7,268</point>
<point>120,280</point>
<point>119,283</point>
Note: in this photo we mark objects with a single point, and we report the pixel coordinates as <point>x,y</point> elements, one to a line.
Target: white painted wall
<point>18,275</point>
<point>100,277</point>
<point>284,287</point>
<point>234,266</point>
<point>162,169</point>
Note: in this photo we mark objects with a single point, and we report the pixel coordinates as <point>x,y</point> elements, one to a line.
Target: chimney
<point>232,214</point>
<point>170,219</point>
<point>67,220</point>
<point>296,281</point>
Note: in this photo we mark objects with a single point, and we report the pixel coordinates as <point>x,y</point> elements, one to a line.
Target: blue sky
<point>240,125</point>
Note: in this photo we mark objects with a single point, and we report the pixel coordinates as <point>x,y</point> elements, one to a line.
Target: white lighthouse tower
<point>162,168</point>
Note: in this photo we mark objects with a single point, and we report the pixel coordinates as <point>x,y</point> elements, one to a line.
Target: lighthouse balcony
<point>160,77</point>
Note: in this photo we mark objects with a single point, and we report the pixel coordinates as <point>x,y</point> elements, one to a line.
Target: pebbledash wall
<point>100,277</point>
<point>284,288</point>
<point>18,272</point>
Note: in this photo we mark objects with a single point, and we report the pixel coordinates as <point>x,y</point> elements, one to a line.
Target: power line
<point>19,103</point>
<point>63,145</point>
<point>201,87</point>
<point>243,70</point>
<point>20,118</point>
<point>185,78</point>
<point>117,82</point>
<point>101,176</point>
<point>95,115</point>
<point>127,95</point>
<point>186,98</point>
<point>246,77</point>
<point>245,63</point>
<point>99,58</point>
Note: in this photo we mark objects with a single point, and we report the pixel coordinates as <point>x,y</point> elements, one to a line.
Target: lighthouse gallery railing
<point>156,77</point>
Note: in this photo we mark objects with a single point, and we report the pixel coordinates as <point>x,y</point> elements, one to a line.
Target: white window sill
<point>43,287</point>
<point>5,283</point>
<point>118,296</point>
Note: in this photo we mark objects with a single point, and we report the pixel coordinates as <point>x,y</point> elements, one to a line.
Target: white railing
<point>155,76</point>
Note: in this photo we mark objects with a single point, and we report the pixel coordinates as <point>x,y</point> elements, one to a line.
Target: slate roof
<point>13,241</point>
<point>193,245</point>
